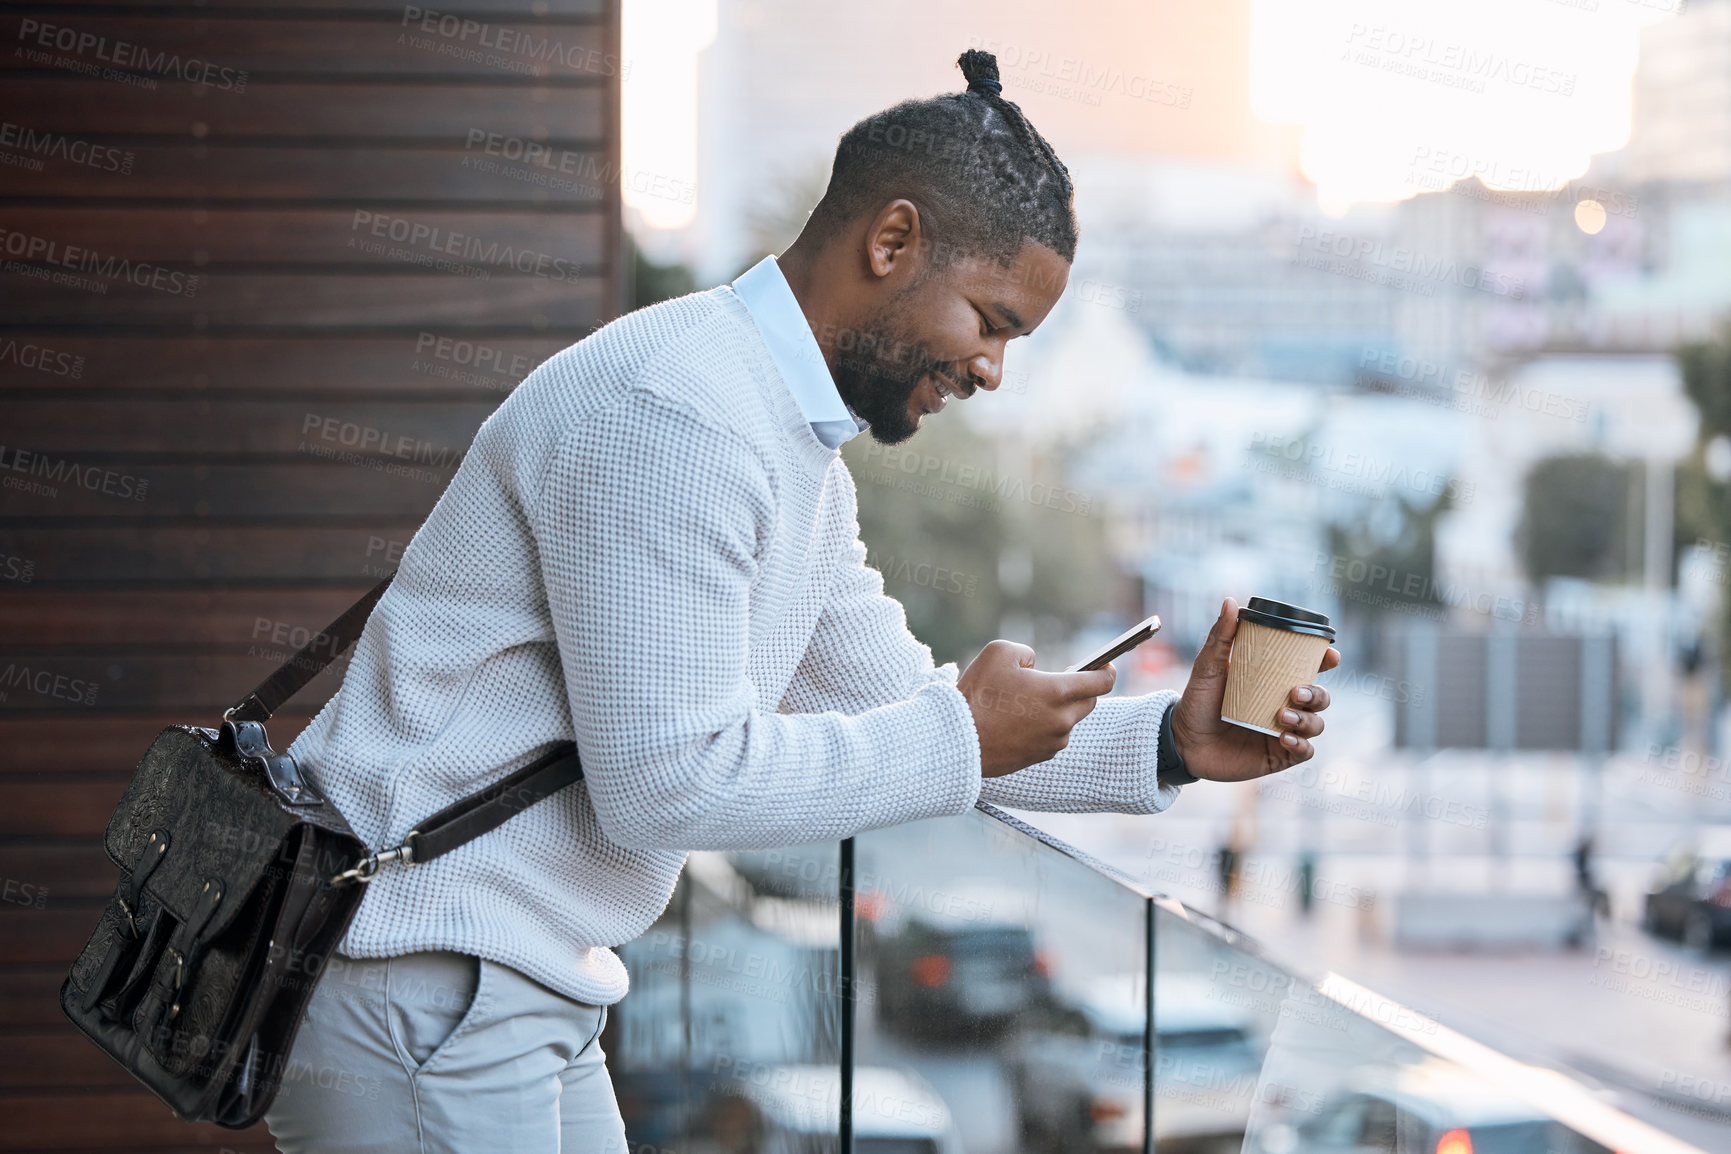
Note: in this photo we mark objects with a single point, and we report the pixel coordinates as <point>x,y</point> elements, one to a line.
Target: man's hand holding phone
<point>1022,715</point>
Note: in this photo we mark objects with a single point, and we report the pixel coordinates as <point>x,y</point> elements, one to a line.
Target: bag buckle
<point>367,868</point>
<point>248,740</point>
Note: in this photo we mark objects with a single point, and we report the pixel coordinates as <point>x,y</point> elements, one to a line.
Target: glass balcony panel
<point>1000,1005</point>
<point>1329,1067</point>
<point>729,1041</point>
<point>1215,1009</point>
<point>1002,994</point>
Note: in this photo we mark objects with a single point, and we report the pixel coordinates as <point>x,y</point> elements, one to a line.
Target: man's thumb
<point>1211,661</point>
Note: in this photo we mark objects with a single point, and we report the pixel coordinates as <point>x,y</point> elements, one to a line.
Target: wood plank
<point>61,1060</point>
<point>45,1052</point>
<point>341,110</point>
<point>98,744</point>
<point>51,809</point>
<point>448,112</point>
<point>424,434</point>
<point>354,174</point>
<point>196,686</point>
<point>254,302</point>
<point>35,619</point>
<point>420,363</point>
<point>499,9</point>
<point>111,1121</point>
<point>508,243</point>
<point>56,875</point>
<point>158,50</point>
<point>30,997</point>
<point>263,1144</point>
<point>260,492</point>
<point>46,937</point>
<point>178,554</point>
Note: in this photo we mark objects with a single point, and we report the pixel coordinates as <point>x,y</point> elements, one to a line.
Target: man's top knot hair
<point>984,181</point>
<point>980,69</point>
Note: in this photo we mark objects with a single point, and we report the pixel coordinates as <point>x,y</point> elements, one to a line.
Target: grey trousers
<point>442,1053</point>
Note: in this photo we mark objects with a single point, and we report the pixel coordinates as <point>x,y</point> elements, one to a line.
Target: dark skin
<point>963,314</point>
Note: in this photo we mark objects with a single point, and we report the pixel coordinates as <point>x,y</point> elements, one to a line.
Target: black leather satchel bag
<point>238,880</point>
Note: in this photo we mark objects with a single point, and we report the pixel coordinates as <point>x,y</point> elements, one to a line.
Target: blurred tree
<point>651,282</point>
<point>1706,369</point>
<point>965,540</point>
<point>1703,504</point>
<point>1393,536</point>
<point>1407,554</point>
<point>1576,519</point>
<point>1703,495</point>
<point>775,223</point>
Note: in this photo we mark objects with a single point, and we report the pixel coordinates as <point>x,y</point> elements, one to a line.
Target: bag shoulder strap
<point>292,675</point>
<point>458,823</point>
<point>468,818</point>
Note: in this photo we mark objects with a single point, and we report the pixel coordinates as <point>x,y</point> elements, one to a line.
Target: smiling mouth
<point>946,386</point>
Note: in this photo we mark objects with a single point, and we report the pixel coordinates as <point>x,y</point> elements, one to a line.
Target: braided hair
<point>984,179</point>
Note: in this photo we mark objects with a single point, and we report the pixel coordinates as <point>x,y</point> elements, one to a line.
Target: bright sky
<point>1390,92</point>
<point>660,40</point>
<point>1392,97</point>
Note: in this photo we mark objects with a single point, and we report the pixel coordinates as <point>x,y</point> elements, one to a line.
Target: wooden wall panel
<point>104,743</point>
<point>320,239</point>
<point>442,115</point>
<point>420,432</point>
<point>368,302</point>
<point>238,51</point>
<point>386,9</point>
<point>433,360</point>
<point>306,172</point>
<point>310,550</point>
<point>248,327</point>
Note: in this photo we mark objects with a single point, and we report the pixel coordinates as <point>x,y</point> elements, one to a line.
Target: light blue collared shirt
<point>794,350</point>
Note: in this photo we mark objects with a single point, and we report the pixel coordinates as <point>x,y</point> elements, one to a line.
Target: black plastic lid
<point>1280,615</point>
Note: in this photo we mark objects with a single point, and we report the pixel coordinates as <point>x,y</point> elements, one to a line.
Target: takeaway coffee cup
<point>1277,648</point>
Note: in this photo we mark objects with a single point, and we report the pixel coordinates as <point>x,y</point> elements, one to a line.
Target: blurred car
<point>1079,1081</point>
<point>1430,1107</point>
<point>894,1111</point>
<point>956,983</point>
<point>962,967</point>
<point>1692,902</point>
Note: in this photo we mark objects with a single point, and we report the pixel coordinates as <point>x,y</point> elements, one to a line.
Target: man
<point>652,549</point>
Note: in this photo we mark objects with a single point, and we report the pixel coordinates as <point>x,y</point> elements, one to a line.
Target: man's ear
<point>892,241</point>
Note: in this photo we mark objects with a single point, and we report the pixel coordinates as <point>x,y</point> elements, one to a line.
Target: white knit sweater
<point>647,550</point>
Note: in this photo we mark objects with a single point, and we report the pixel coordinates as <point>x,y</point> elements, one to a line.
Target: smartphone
<point>1118,646</point>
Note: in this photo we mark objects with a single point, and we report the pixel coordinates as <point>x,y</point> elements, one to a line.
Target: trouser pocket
<point>429,998</point>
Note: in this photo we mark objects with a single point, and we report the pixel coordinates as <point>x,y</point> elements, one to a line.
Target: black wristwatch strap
<point>1170,766</point>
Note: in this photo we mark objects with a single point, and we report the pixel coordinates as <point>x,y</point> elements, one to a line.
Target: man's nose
<point>986,372</point>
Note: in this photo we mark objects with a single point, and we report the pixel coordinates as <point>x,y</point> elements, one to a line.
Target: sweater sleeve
<point>649,523</point>
<point>861,654</point>
<point>1110,766</point>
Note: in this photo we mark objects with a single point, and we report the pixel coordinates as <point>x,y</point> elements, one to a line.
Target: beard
<point>880,372</point>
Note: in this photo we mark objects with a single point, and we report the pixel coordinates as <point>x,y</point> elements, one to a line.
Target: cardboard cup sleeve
<point>1268,662</point>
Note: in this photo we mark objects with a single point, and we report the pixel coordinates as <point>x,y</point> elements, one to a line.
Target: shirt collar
<point>768,297</point>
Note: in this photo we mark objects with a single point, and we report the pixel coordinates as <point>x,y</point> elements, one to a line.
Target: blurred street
<point>1644,1018</point>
